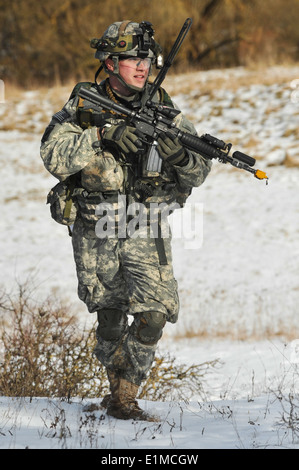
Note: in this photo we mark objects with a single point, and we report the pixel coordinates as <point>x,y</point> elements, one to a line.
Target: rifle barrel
<point>170,58</point>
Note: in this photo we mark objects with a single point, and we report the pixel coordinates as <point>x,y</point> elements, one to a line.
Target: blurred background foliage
<point>47,43</point>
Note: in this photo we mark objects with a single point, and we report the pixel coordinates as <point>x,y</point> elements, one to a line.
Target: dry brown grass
<point>45,352</point>
<point>234,332</point>
<point>205,82</point>
<point>209,81</point>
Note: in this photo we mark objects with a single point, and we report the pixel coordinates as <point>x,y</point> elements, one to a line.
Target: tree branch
<point>214,47</point>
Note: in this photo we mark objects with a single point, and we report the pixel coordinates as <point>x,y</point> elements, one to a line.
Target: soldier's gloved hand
<point>171,150</point>
<point>126,138</point>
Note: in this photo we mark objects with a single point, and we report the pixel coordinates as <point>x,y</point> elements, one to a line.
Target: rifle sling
<point>159,241</point>
<point>69,200</point>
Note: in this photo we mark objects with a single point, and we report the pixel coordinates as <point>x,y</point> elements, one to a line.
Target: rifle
<point>154,119</point>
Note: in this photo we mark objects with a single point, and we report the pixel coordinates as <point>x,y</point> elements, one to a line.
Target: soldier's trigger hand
<point>170,148</point>
<point>126,138</point>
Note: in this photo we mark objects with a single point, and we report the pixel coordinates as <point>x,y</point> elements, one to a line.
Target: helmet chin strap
<point>131,88</point>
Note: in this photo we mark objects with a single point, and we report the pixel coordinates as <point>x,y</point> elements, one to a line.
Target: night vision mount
<point>144,34</point>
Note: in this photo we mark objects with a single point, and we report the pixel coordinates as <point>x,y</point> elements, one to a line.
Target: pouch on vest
<point>62,207</point>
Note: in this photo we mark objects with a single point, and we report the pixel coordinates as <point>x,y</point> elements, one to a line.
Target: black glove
<point>126,138</point>
<point>171,150</point>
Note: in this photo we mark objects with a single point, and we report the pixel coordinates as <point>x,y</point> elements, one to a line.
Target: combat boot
<point>114,384</point>
<point>106,400</point>
<point>123,403</point>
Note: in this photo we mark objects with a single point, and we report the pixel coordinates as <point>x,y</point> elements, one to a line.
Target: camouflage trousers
<point>121,277</point>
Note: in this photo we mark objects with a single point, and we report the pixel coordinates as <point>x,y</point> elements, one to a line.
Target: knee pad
<point>149,326</point>
<point>112,324</point>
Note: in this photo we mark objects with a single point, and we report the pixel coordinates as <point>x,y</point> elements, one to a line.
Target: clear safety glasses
<point>135,62</point>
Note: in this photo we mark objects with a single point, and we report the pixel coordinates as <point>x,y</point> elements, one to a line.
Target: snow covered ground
<point>239,283</point>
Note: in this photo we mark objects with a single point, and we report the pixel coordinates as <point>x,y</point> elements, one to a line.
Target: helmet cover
<point>127,38</point>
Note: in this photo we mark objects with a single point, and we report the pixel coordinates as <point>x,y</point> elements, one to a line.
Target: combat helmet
<point>127,38</point>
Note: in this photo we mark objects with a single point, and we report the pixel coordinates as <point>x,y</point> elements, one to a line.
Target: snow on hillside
<point>238,280</point>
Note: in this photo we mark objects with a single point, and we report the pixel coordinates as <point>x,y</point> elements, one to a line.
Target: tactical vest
<point>95,178</point>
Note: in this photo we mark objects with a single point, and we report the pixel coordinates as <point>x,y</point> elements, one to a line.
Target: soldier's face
<point>134,71</point>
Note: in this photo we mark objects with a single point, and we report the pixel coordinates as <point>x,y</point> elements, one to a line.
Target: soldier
<point>127,275</point>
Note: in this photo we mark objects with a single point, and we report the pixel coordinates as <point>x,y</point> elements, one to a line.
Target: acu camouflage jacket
<point>71,146</point>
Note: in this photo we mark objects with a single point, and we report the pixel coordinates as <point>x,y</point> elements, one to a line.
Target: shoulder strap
<point>84,116</point>
<point>77,88</point>
<point>165,98</point>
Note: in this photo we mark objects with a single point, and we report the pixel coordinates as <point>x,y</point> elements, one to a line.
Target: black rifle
<point>155,119</point>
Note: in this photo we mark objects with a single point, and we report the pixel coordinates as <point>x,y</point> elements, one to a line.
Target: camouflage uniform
<point>124,276</point>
